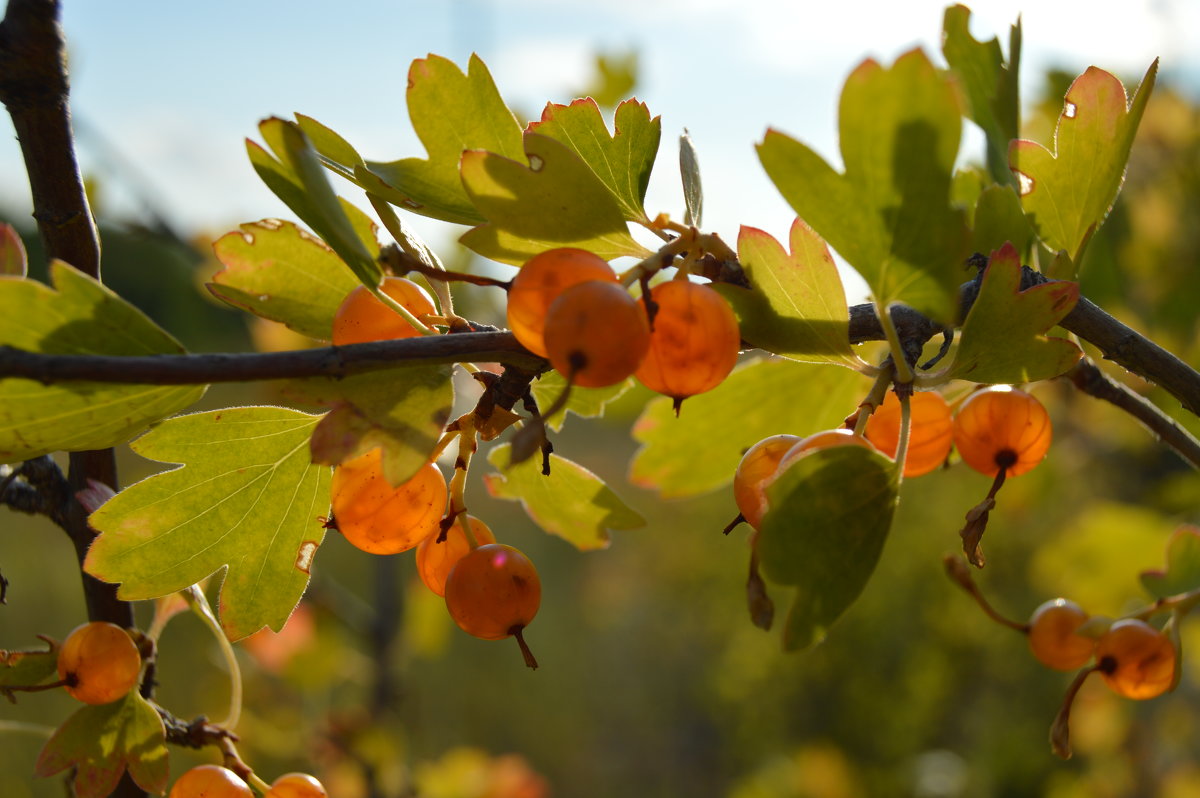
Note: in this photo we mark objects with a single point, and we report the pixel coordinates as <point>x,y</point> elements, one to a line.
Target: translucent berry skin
<point>695,341</point>
<point>539,283</point>
<point>930,436</point>
<point>296,785</point>
<point>825,439</point>
<point>1135,659</point>
<point>1053,637</point>
<point>1002,425</point>
<point>758,465</point>
<point>99,662</point>
<point>362,317</point>
<point>436,560</point>
<point>210,781</point>
<point>493,592</point>
<point>596,334</point>
<point>382,519</point>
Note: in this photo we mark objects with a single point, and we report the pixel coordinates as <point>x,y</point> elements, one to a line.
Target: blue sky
<point>174,87</point>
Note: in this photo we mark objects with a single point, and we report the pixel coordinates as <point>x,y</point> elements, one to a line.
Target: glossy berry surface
<point>757,466</point>
<point>493,592</point>
<point>1054,638</point>
<point>596,334</point>
<point>930,436</point>
<point>210,781</point>
<point>296,785</point>
<point>1135,659</point>
<point>539,283</point>
<point>362,317</point>
<point>99,662</point>
<point>694,341</point>
<point>1002,427</point>
<point>382,519</point>
<point>436,560</point>
<point>825,439</point>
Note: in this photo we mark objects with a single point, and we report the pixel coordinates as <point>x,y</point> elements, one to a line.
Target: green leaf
<point>554,201</point>
<point>622,161</point>
<point>889,214</point>
<point>13,260</point>
<point>451,112</point>
<point>1182,573</point>
<point>583,402</point>
<point>28,667</point>
<point>796,306</point>
<point>281,272</point>
<point>1069,192</point>
<point>336,153</point>
<point>246,498</point>
<point>1000,220</point>
<point>572,502</point>
<point>991,85</point>
<point>296,176</point>
<point>101,742</point>
<point>81,317</point>
<point>1003,338</point>
<point>404,410</point>
<point>689,171</point>
<point>830,515</point>
<point>699,451</point>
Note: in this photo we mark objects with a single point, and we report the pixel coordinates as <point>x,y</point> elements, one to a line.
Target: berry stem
<point>199,604</point>
<point>905,398</point>
<point>904,372</point>
<point>873,399</point>
<point>961,575</point>
<point>530,660</point>
<point>1060,729</point>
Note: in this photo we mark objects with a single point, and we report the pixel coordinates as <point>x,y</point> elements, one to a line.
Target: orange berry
<point>757,466</point>
<point>694,343</point>
<point>1002,427</point>
<point>930,435</point>
<point>210,781</point>
<point>493,592</point>
<point>825,439</point>
<point>382,519</point>
<point>539,283</point>
<point>1135,659</point>
<point>99,663</point>
<point>362,317</point>
<point>1054,638</point>
<point>596,334</point>
<point>296,785</point>
<point>436,560</point>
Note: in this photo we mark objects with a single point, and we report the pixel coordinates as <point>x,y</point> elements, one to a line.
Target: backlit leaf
<point>889,214</point>
<point>24,668</point>
<point>281,272</point>
<point>572,502</point>
<point>990,83</point>
<point>13,260</point>
<point>1069,192</point>
<point>698,451</point>
<point>404,410</point>
<point>1004,338</point>
<point>554,200</point>
<point>1000,220</point>
<point>1182,573</point>
<point>830,515</point>
<point>100,742</point>
<point>81,317</point>
<point>450,112</point>
<point>246,498</point>
<point>622,161</point>
<point>584,402</point>
<point>796,306</point>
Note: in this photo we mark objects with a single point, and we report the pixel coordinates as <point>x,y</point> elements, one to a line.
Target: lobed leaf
<point>829,519</point>
<point>27,667</point>
<point>622,161</point>
<point>889,214</point>
<point>246,498</point>
<point>101,742</point>
<point>13,260</point>
<point>1182,574</point>
<point>796,306</point>
<point>583,402</point>
<point>1069,192</point>
<point>1003,339</point>
<point>554,200</point>
<point>1000,220</point>
<point>79,316</point>
<point>699,451</point>
<point>451,112</point>
<point>280,272</point>
<point>571,502</point>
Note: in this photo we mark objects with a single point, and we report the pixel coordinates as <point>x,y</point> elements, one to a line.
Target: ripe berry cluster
<point>215,781</point>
